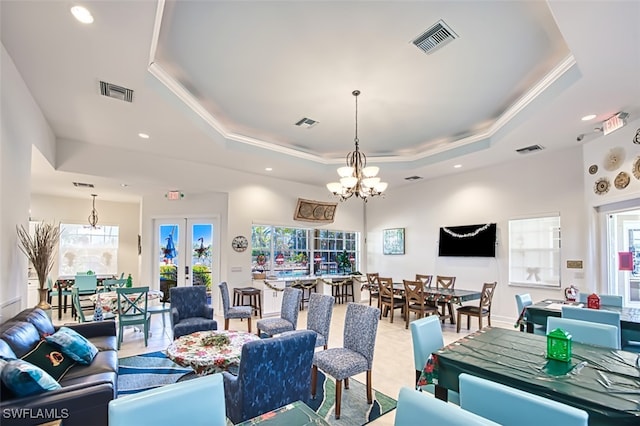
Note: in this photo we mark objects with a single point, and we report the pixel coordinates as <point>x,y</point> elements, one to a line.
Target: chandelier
<point>356,178</point>
<point>93,217</point>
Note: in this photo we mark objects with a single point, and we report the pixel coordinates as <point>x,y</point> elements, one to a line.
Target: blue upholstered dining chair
<point>510,406</point>
<point>132,310</point>
<point>233,311</point>
<point>592,333</point>
<point>426,336</point>
<point>273,373</point>
<point>319,317</point>
<point>416,408</point>
<point>196,402</point>
<point>594,315</point>
<point>288,319</point>
<point>522,301</point>
<point>190,311</point>
<point>356,355</point>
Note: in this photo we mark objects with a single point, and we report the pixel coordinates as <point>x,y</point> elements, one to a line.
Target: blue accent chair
<point>356,355</point>
<point>426,335</point>
<point>273,372</point>
<point>418,408</point>
<point>196,402</point>
<point>591,333</point>
<point>509,406</point>
<point>190,311</point>
<point>593,315</point>
<point>288,320</point>
<point>233,311</point>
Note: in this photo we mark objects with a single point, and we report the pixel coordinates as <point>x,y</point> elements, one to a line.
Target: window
<point>83,248</point>
<point>283,251</point>
<point>534,251</point>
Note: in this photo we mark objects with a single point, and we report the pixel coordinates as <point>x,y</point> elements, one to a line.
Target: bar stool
<point>346,291</point>
<point>307,289</point>
<point>254,295</point>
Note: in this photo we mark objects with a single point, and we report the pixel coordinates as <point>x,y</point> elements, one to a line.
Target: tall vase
<point>43,294</point>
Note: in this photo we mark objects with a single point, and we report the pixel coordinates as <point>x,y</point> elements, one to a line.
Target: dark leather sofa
<point>86,389</point>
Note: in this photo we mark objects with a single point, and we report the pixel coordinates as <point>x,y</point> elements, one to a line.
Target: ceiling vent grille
<point>306,122</point>
<point>412,178</point>
<point>82,185</point>
<point>116,92</point>
<point>529,149</point>
<point>435,37</point>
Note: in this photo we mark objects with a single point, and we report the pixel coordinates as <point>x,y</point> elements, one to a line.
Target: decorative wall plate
<point>636,168</point>
<point>602,186</point>
<point>622,180</point>
<point>239,243</point>
<point>593,169</point>
<point>614,159</point>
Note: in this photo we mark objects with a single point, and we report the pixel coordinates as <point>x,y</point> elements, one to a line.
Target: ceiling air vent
<point>529,149</point>
<point>306,122</point>
<point>412,178</point>
<point>116,92</point>
<point>435,37</point>
<point>82,185</point>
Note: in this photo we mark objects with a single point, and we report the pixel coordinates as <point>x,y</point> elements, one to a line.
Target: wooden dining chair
<point>482,310</point>
<point>415,301</point>
<point>388,298</point>
<point>425,280</point>
<point>446,283</point>
<point>373,287</point>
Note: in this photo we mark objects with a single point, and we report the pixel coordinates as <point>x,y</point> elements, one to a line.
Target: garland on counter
<point>298,283</point>
<point>274,288</point>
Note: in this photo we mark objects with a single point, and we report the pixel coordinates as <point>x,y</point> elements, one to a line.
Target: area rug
<point>141,372</point>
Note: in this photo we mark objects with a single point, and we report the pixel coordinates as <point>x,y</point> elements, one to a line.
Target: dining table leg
<point>59,302</point>
<point>442,393</point>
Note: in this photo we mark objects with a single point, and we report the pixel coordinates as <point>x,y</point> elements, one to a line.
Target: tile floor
<point>393,358</point>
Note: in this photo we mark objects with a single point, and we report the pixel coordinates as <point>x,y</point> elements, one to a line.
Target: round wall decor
<point>239,243</point>
<point>622,180</point>
<point>614,159</point>
<point>636,168</point>
<point>602,186</point>
<point>593,169</point>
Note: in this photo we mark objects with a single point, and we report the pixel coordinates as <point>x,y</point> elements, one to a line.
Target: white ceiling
<point>223,82</point>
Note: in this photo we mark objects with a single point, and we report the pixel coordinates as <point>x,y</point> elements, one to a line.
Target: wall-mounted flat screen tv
<point>468,241</point>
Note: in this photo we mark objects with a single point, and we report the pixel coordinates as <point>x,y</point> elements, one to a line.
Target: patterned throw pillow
<point>50,359</point>
<point>74,345</point>
<point>24,379</point>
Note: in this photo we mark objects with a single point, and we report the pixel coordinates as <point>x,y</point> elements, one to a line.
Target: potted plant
<point>40,248</point>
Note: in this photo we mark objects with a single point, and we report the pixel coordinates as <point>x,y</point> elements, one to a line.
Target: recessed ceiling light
<point>143,135</point>
<point>82,14</point>
<point>124,185</point>
<point>457,166</point>
<point>588,117</point>
<point>268,169</point>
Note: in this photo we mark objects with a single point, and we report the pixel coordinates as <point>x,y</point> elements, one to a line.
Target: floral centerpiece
<point>218,340</point>
<point>40,247</point>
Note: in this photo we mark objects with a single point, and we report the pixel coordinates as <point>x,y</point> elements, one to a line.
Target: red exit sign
<point>174,195</point>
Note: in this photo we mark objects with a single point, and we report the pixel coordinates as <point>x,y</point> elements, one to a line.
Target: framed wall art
<point>315,211</point>
<point>393,241</point>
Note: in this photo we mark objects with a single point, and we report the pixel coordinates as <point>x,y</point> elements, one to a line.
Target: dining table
<point>538,313</point>
<point>66,282</point>
<point>447,295</point>
<point>109,299</point>
<point>602,381</point>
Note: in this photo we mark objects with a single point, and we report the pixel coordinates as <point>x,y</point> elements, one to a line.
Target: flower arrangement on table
<point>218,340</point>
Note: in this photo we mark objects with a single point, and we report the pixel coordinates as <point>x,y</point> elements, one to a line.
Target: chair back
<point>190,302</point>
<point>522,301</point>
<point>592,333</point>
<point>360,329</point>
<point>426,336</point>
<point>132,301</point>
<point>414,294</point>
<point>488,289</point>
<point>75,299</point>
<point>414,408</point>
<point>445,282</point>
<point>425,280</point>
<point>290,305</point>
<point>386,287</point>
<point>372,278</point>
<point>112,284</point>
<point>611,300</point>
<point>509,406</point>
<point>289,359</point>
<point>594,315</point>
<point>224,295</point>
<point>86,284</point>
<point>319,316</point>
<point>200,400</point>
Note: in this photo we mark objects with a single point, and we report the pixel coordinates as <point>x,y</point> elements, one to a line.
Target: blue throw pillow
<point>74,345</point>
<point>24,379</point>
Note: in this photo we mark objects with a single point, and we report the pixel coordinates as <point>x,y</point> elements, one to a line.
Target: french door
<point>186,252</point>
<point>623,254</point>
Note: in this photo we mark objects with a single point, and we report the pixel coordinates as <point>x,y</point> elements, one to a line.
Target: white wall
<point>21,127</point>
<point>537,183</point>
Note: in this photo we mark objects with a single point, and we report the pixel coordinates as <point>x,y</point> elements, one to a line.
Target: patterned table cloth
<point>109,299</point>
<point>188,351</point>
